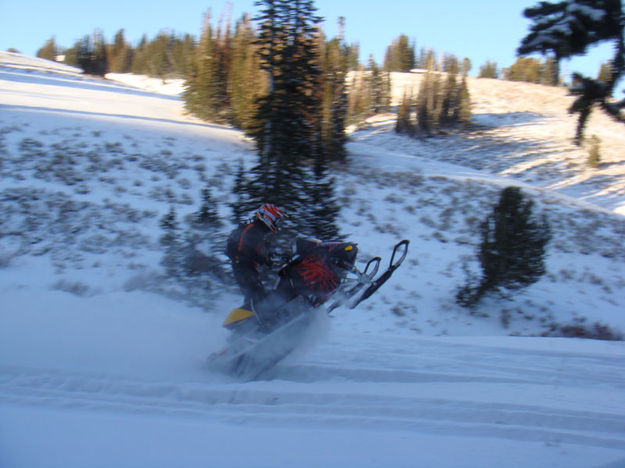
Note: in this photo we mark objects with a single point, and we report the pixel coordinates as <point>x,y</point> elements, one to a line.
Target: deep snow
<point>100,365</point>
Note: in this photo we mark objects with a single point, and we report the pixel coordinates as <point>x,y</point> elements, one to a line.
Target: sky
<point>481,30</point>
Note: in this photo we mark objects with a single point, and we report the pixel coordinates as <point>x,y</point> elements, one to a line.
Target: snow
<point>595,14</point>
<point>102,363</point>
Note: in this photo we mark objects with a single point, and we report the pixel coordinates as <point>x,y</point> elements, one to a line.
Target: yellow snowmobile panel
<point>236,315</point>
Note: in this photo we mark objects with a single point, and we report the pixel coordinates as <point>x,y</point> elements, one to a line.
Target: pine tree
<point>300,121</point>
<point>245,82</point>
<point>466,66</point>
<point>302,78</point>
<point>171,243</point>
<point>569,28</point>
<point>198,91</point>
<point>206,87</point>
<point>422,107</point>
<point>524,69</point>
<point>463,110</point>
<point>400,55</point>
<point>204,243</point>
<point>450,98</point>
<point>335,101</point>
<point>429,104</point>
<point>549,74</point>
<point>512,251</point>
<point>353,53</point>
<point>379,85</point>
<point>139,58</point>
<point>119,54</point>
<point>286,122</point>
<point>359,107</point>
<point>49,51</point>
<point>241,204</point>
<point>443,100</point>
<point>489,70</point>
<point>404,122</point>
<point>221,72</point>
<point>91,54</point>
<point>323,209</point>
<point>207,215</point>
<point>185,52</point>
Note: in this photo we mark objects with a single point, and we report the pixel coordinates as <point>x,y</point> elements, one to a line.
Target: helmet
<point>270,215</point>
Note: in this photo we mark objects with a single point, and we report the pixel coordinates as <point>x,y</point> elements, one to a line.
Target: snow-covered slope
<point>102,365</point>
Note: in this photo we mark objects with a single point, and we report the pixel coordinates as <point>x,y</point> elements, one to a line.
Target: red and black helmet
<point>270,215</point>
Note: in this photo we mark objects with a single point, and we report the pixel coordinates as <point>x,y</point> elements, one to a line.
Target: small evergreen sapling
<point>171,243</point>
<point>512,251</point>
<point>207,215</point>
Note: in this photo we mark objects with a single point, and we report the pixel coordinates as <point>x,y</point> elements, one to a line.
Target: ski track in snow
<point>558,397</point>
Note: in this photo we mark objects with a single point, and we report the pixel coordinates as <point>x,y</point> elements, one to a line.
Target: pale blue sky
<point>480,29</point>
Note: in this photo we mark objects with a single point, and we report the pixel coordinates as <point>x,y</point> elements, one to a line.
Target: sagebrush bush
<point>594,153</point>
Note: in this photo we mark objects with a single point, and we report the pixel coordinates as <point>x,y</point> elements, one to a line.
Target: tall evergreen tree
<point>91,54</point>
<point>207,214</point>
<point>140,56</point>
<point>241,205</point>
<point>450,98</point>
<point>379,88</point>
<point>334,102</point>
<point>172,244</point>
<point>550,74</point>
<point>119,54</point>
<point>466,66</point>
<point>359,105</point>
<point>221,71</point>
<point>489,70</point>
<point>568,28</point>
<point>404,122</point>
<point>286,120</point>
<point>524,69</point>
<point>206,86</point>
<point>198,92</point>
<point>272,41</point>
<point>400,55</point>
<point>204,243</point>
<point>289,127</point>
<point>246,83</point>
<point>429,104</point>
<point>322,207</point>
<point>463,111</point>
<point>443,99</point>
<point>49,50</point>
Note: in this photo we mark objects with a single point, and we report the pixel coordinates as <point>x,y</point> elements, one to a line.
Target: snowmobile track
<point>377,408</point>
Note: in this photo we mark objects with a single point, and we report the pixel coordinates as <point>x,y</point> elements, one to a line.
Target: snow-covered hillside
<point>101,364</point>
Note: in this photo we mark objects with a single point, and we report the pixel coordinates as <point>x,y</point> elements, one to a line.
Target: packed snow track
<point>563,397</point>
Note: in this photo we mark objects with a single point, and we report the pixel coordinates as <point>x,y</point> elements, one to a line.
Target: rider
<point>248,248</point>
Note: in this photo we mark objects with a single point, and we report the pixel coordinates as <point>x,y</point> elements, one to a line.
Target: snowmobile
<point>318,278</point>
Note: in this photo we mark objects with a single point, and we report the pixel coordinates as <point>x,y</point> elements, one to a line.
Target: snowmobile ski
<point>400,249</point>
<point>248,356</point>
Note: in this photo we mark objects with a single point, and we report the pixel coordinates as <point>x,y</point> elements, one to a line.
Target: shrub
<point>594,156</point>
